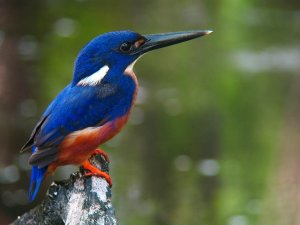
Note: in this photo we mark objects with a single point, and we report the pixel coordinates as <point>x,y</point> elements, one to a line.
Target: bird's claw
<point>94,171</point>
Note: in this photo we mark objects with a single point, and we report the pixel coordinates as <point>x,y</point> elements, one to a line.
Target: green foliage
<point>208,133</point>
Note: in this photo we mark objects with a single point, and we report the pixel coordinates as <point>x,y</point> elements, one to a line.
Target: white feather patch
<point>129,68</point>
<point>95,78</point>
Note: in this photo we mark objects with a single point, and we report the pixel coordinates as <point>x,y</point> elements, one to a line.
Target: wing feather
<point>29,144</point>
<point>76,108</point>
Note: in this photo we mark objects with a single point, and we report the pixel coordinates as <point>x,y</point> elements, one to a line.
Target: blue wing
<point>76,108</point>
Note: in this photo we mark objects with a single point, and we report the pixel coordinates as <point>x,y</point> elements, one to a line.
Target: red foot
<point>95,172</point>
<point>101,152</point>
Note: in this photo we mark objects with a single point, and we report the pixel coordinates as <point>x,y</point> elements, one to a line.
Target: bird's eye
<point>125,47</point>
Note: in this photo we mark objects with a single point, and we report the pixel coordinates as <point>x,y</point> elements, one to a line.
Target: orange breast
<point>78,146</point>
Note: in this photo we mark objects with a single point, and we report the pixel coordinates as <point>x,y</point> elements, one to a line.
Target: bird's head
<point>116,51</point>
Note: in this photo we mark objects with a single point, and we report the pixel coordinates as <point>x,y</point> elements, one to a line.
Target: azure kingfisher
<point>96,104</point>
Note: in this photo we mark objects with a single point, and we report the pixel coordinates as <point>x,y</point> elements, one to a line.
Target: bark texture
<point>77,201</point>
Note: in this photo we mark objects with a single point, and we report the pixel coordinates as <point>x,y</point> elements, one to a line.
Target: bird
<point>95,105</point>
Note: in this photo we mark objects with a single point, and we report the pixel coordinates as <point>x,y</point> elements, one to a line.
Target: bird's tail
<point>37,176</point>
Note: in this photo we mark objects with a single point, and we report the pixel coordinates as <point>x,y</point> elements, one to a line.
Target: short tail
<point>37,176</point>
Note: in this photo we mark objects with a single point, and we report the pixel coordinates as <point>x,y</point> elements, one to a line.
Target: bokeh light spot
<point>28,47</point>
<point>208,167</point>
<point>65,27</point>
<point>183,163</point>
<point>9,174</point>
<point>238,220</point>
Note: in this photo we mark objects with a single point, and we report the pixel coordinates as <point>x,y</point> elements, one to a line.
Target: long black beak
<point>155,41</point>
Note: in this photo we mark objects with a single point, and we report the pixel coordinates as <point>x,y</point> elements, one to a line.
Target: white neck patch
<point>95,78</point>
<point>129,68</point>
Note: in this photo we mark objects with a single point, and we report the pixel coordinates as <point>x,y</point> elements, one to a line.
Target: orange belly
<point>78,146</point>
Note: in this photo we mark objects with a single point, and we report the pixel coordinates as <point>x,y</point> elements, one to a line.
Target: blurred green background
<point>215,136</point>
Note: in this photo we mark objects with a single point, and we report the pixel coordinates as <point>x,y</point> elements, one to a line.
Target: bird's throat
<point>129,72</point>
<point>129,68</point>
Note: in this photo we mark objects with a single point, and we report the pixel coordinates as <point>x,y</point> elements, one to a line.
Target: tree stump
<point>78,200</point>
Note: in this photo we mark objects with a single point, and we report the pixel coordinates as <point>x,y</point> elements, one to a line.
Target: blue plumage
<point>76,108</point>
<point>80,107</point>
<point>104,50</point>
<point>37,176</point>
<point>95,105</point>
